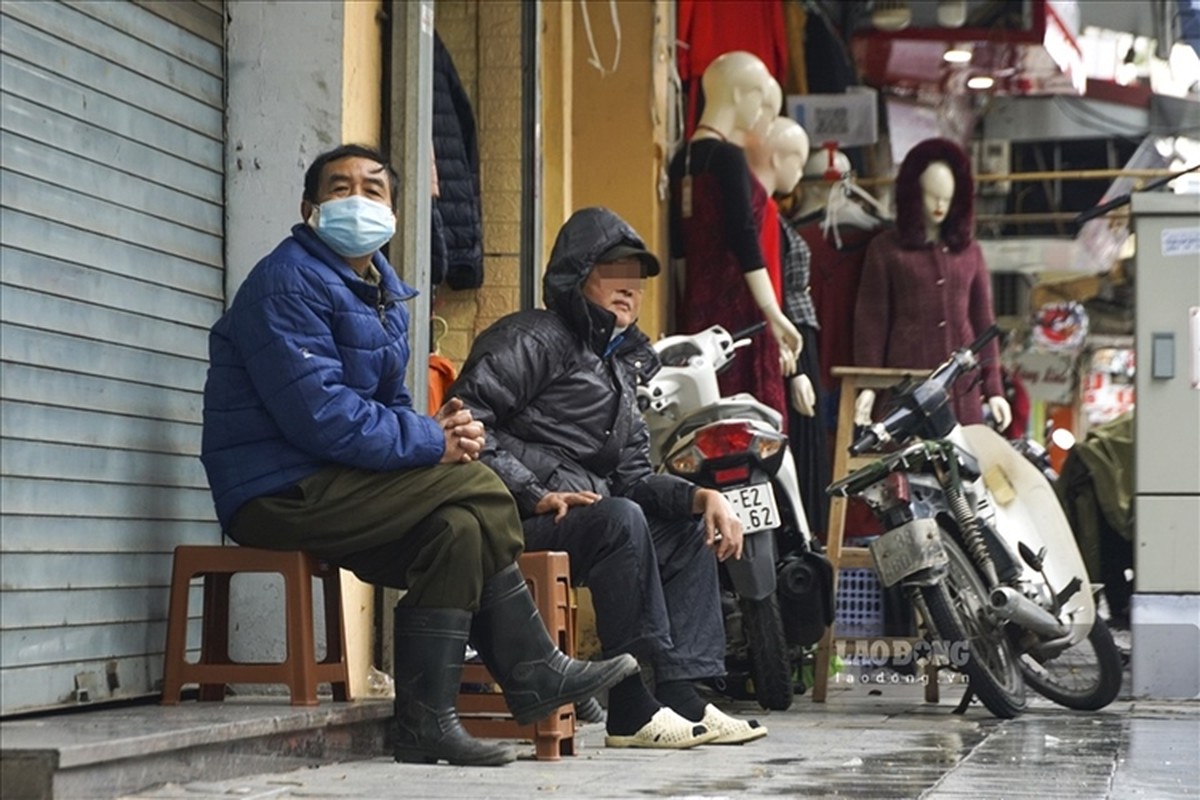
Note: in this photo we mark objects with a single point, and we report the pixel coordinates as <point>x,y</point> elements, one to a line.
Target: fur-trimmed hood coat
<point>920,301</point>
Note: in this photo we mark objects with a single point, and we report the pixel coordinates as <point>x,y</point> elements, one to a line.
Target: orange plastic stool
<point>485,714</point>
<point>300,670</point>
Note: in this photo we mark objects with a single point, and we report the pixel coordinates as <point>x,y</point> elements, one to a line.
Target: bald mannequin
<point>738,89</point>
<point>735,86</point>
<point>823,168</point>
<point>786,148</point>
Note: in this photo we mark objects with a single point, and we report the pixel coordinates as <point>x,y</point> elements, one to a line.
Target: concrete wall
<point>618,127</point>
<point>286,104</point>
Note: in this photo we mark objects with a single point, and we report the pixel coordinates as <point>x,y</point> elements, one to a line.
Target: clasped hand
<point>464,436</point>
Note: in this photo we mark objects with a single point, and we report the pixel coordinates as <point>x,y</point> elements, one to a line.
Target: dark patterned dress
<point>719,243</point>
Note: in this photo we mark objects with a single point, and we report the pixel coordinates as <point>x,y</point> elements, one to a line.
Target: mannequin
<point>925,287</point>
<point>838,244</point>
<point>786,149</point>
<point>758,156</point>
<point>822,170</point>
<point>716,211</point>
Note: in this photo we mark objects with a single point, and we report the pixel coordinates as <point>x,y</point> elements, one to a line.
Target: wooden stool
<point>486,714</point>
<point>300,670</point>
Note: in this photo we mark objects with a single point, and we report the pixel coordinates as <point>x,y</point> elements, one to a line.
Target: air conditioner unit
<point>992,157</point>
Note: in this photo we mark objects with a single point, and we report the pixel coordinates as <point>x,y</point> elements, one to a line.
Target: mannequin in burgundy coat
<point>925,288</point>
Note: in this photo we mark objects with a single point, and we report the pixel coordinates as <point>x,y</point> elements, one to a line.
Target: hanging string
<point>676,107</point>
<point>594,58</point>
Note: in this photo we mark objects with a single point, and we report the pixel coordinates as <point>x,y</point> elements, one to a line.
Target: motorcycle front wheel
<point>1085,676</point>
<point>770,666</point>
<point>972,636</point>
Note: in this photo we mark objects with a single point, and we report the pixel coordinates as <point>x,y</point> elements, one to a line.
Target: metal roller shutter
<point>111,240</point>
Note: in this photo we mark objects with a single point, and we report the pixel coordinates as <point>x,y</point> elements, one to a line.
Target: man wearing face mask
<point>311,442</point>
<point>557,390</point>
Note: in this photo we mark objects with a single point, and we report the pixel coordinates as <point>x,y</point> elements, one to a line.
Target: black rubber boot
<point>430,643</point>
<point>535,675</point>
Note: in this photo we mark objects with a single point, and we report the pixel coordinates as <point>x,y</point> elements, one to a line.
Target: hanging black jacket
<point>560,416</point>
<point>456,153</point>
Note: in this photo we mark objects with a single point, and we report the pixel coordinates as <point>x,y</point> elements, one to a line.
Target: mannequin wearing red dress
<point>716,212</point>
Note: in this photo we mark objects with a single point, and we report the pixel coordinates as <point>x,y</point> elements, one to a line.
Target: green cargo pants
<point>438,531</point>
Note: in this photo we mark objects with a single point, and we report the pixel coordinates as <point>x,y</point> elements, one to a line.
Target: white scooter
<point>976,536</point>
<point>736,444</point>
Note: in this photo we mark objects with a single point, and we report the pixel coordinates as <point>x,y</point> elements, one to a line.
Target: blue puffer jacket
<point>307,369</point>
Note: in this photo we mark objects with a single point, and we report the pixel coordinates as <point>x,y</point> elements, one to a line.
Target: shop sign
<point>1049,376</point>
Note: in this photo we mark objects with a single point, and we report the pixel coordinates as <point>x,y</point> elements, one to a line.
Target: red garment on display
<point>917,306</point>
<point>709,28</point>
<point>1018,402</point>
<point>769,238</point>
<point>834,280</point>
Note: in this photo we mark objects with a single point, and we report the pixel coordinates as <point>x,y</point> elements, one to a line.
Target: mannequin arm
<point>862,407</point>
<point>1001,412</point>
<point>785,333</point>
<point>804,397</point>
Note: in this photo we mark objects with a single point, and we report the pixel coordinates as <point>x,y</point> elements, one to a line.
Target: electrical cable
<point>1124,199</point>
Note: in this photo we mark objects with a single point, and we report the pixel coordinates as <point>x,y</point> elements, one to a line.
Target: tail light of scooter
<point>725,442</point>
<point>895,490</point>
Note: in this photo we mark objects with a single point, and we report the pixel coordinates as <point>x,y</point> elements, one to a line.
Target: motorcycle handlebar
<point>985,337</point>
<point>752,330</point>
<point>868,441</point>
<point>900,422</point>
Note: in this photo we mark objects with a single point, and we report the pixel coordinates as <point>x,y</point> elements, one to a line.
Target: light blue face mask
<point>353,226</point>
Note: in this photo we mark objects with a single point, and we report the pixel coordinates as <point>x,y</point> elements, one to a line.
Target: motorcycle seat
<point>725,409</point>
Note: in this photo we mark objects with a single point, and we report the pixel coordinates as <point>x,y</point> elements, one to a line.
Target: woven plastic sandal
<point>665,730</point>
<point>731,730</point>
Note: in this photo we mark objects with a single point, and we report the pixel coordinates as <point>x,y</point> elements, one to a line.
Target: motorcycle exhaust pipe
<point>1015,607</point>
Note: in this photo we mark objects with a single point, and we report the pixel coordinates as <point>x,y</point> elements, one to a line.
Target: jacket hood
<point>957,228</point>
<point>583,238</point>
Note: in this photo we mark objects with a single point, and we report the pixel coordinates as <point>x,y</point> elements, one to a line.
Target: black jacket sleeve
<point>664,496</point>
<point>505,372</point>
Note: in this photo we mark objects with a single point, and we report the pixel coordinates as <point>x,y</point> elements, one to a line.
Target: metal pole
<point>531,158</point>
<point>411,148</point>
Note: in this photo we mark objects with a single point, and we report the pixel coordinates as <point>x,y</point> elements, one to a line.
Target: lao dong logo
<point>885,653</point>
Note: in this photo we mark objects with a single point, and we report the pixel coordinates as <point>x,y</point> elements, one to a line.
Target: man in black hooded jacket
<point>556,390</point>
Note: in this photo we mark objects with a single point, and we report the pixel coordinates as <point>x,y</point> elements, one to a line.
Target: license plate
<point>755,506</point>
<point>908,550</point>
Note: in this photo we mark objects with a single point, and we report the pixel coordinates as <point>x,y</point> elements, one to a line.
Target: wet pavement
<point>867,741</point>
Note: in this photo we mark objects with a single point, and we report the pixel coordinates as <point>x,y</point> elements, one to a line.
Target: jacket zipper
<point>381,308</point>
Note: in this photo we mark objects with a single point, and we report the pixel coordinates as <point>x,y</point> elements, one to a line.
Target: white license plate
<point>907,550</point>
<point>755,506</point>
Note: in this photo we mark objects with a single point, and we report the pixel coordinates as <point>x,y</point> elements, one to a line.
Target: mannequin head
<point>788,145</point>
<point>937,190</point>
<point>777,157</point>
<point>912,218</point>
<point>735,86</point>
<point>771,103</point>
<point>824,168</point>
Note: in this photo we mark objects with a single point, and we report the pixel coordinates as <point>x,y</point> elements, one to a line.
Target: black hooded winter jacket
<point>559,415</point>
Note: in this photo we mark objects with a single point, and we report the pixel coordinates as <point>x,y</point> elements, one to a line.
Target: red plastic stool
<point>486,714</point>
<point>300,670</point>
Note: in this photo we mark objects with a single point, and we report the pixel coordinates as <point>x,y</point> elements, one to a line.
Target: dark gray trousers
<point>438,531</point>
<point>653,584</point>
